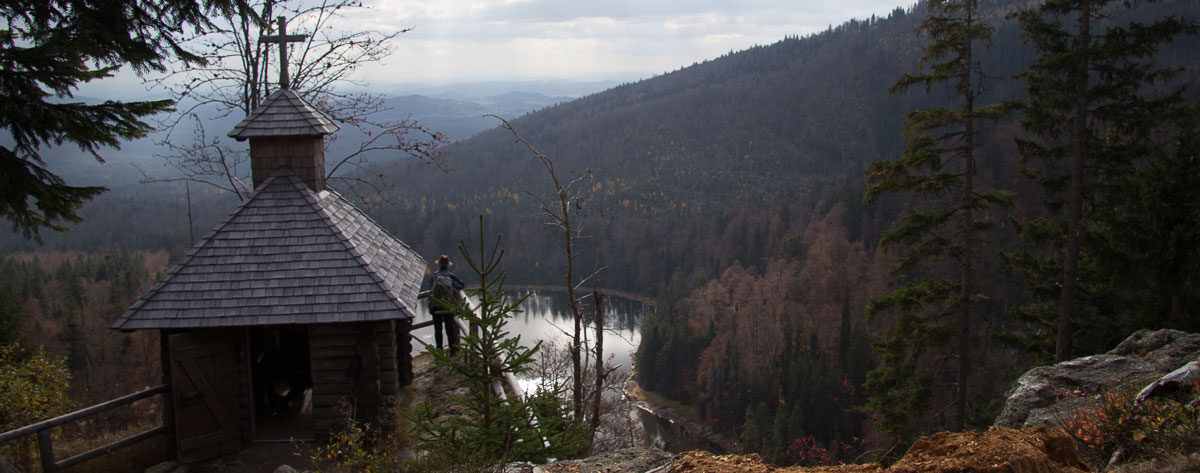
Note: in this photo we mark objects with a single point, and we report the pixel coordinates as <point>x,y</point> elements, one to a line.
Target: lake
<point>545,315</point>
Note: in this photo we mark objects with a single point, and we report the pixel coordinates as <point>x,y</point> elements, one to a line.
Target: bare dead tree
<point>558,218</point>
<point>597,394</point>
<point>615,429</point>
<point>235,81</point>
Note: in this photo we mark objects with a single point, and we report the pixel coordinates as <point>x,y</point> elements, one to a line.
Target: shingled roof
<point>283,113</point>
<point>288,255</point>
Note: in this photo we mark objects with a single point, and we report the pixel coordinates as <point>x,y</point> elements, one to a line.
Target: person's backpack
<point>443,287</point>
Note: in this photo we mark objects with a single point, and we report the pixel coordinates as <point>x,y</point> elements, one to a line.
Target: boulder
<point>1047,395</point>
<point>1163,350</point>
<point>518,467</point>
<point>625,460</point>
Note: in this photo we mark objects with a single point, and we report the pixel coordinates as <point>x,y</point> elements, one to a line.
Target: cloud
<point>586,39</point>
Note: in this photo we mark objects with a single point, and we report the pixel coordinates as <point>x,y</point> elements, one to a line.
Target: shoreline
<point>608,292</point>
<point>694,430</point>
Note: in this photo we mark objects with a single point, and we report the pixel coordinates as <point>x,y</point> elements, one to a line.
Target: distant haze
<point>603,42</point>
<point>621,40</point>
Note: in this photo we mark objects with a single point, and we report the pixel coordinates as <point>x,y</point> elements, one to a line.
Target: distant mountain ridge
<point>733,155</point>
<point>757,105</point>
<point>161,205</point>
<point>708,155</point>
<point>459,119</point>
<point>474,90</point>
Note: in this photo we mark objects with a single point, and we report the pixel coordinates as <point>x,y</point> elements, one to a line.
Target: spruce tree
<point>1095,101</point>
<point>486,430</point>
<point>47,50</point>
<point>1158,240</point>
<point>938,168</point>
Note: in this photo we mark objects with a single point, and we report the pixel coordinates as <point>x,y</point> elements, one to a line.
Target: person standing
<point>445,287</point>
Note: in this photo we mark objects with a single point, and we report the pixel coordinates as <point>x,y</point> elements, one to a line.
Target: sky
<point>473,41</point>
<point>622,40</point>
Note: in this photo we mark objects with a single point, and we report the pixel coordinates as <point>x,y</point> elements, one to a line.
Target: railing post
<point>45,440</point>
<point>46,451</point>
<point>168,397</point>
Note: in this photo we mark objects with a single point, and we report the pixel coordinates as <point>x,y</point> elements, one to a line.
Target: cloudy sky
<point>470,41</point>
<point>473,40</point>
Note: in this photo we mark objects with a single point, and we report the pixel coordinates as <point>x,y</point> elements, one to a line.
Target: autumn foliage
<point>1159,427</point>
<point>32,388</point>
<point>782,352</point>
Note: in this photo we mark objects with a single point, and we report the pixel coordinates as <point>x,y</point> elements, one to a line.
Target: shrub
<point>33,388</point>
<point>1159,427</point>
<point>357,447</point>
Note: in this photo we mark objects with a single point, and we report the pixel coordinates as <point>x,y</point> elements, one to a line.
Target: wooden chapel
<point>293,312</point>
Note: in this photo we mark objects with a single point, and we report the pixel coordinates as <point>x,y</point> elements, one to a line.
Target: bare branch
<point>589,277</point>
<point>204,160</point>
<point>237,78</point>
<point>559,218</point>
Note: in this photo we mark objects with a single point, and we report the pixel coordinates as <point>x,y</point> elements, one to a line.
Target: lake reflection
<point>545,315</point>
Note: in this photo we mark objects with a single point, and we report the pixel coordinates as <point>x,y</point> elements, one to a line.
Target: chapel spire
<point>283,39</point>
<point>285,130</point>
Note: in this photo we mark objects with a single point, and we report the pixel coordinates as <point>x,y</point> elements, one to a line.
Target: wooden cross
<point>283,39</point>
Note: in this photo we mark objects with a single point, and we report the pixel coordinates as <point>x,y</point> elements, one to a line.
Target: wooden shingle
<point>252,269</point>
<point>283,113</point>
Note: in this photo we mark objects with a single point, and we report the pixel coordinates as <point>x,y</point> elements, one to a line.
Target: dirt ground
<point>262,457</point>
<point>266,457</point>
<point>999,450</point>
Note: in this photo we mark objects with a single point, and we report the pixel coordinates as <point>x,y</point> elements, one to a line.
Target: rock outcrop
<point>999,450</point>
<point>626,460</point>
<point>1046,395</point>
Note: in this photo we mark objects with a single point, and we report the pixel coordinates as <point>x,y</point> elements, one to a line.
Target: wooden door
<point>204,390</point>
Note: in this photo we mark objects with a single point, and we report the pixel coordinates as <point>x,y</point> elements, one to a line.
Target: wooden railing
<point>46,443</point>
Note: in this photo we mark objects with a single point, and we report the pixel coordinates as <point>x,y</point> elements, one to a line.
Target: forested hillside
<point>64,303</point>
<point>733,190</point>
<point>731,156</point>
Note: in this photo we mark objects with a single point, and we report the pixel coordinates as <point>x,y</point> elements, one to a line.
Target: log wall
<point>305,155</point>
<point>338,351</point>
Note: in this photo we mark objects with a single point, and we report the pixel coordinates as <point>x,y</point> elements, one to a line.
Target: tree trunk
<point>597,395</point>
<point>966,203</point>
<point>577,335</point>
<point>1066,305</point>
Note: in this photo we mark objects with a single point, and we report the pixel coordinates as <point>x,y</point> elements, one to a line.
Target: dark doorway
<point>204,398</point>
<point>281,382</point>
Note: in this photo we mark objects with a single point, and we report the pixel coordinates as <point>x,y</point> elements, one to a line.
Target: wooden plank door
<point>204,390</point>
